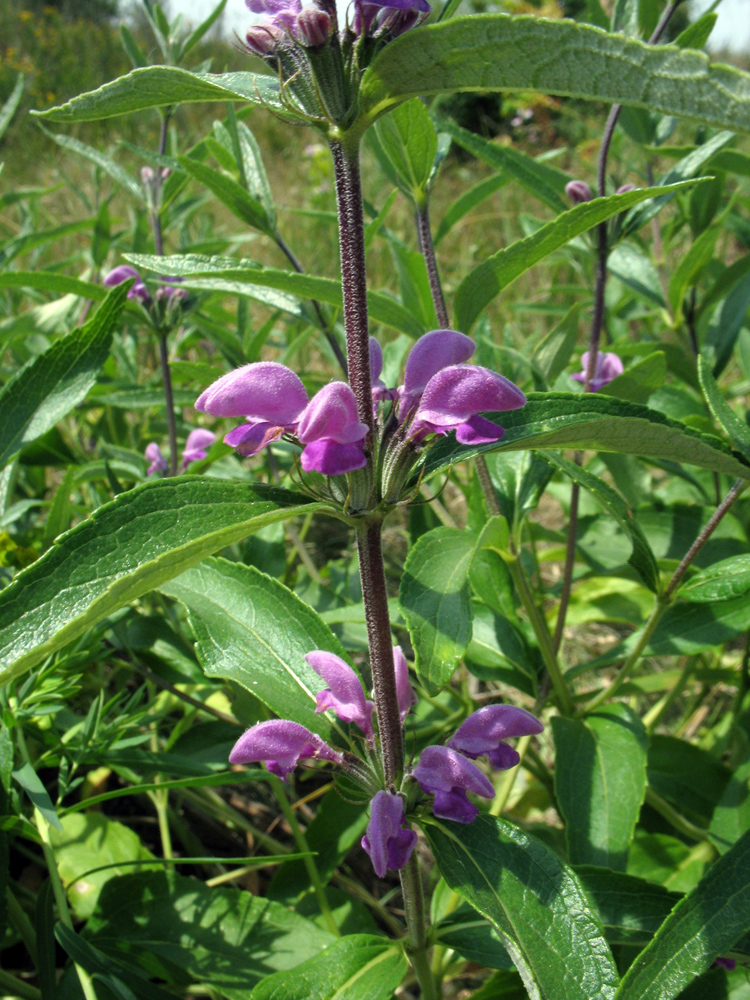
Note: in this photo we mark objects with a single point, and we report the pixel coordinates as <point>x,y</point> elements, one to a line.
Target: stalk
<point>597,323</point>
<point>428,252</point>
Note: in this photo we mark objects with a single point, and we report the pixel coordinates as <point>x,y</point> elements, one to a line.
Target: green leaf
<point>105,163</point>
<point>690,264</point>
<point>253,630</point>
<point>10,107</point>
<point>126,548</point>
<point>538,178</point>
<point>49,386</point>
<point>553,353</point>
<point>241,276</point>
<point>600,783</point>
<point>205,26</point>
<point>702,927</point>
<point>121,980</point>
<point>356,967</point>
<point>481,285</point>
<point>722,581</point>
<point>183,932</point>
<point>642,558</point>
<point>630,909</point>
<point>592,421</point>
<point>474,938</point>
<point>635,269</point>
<point>737,430</point>
<point>520,479</point>
<point>467,201</point>
<point>408,138</point>
<point>165,86</point>
<point>640,380</point>
<point>490,52</point>
<point>697,34</point>
<point>47,281</point>
<point>435,599</point>
<point>535,902</point>
<point>686,775</point>
<point>28,779</point>
<point>248,209</point>
<point>90,840</point>
<point>731,817</point>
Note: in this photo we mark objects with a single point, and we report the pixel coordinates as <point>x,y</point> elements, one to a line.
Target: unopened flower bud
<point>165,172</point>
<point>578,192</point>
<point>314,27</point>
<point>261,39</point>
<point>625,188</point>
<point>147,176</point>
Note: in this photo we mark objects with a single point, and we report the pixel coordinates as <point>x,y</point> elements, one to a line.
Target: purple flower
<point>449,776</point>
<point>281,744</point>
<point>345,694</point>
<point>485,730</point>
<point>454,398</point>
<point>434,351</point>
<point>268,394</point>
<point>197,445</point>
<point>608,366</point>
<point>380,391</point>
<point>122,273</point>
<point>331,432</point>
<point>578,192</point>
<point>404,691</point>
<point>387,841</point>
<point>154,455</point>
<point>279,13</point>
<point>730,964</point>
<point>394,17</point>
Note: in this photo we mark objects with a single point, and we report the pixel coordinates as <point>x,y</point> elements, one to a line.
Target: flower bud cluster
<point>440,394</point>
<point>318,63</point>
<point>196,449</point>
<point>444,772</point>
<point>164,307</point>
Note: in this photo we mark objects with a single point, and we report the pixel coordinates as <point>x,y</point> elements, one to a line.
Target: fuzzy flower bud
<point>578,192</point>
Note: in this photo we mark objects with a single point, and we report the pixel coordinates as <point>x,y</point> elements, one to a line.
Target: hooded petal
<point>281,744</point>
<point>608,366</point>
<point>449,776</point>
<point>264,390</point>
<point>404,690</point>
<point>249,439</point>
<point>345,694</point>
<point>123,273</point>
<point>387,842</point>
<point>332,414</point>
<point>432,352</point>
<point>457,394</point>
<point>197,444</point>
<point>484,731</point>
<point>154,455</point>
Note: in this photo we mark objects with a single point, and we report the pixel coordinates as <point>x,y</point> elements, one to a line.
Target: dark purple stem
<point>428,252</point>
<point>380,642</point>
<point>354,277</point>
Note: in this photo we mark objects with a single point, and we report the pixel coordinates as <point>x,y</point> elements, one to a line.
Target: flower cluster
<point>196,448</point>
<point>445,772</point>
<point>318,63</point>
<point>164,303</point>
<point>440,394</point>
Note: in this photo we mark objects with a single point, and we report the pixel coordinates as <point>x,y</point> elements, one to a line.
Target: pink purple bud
<point>123,273</point>
<point>282,13</point>
<point>578,192</point>
<point>261,38</point>
<point>197,445</point>
<point>484,732</point>
<point>154,455</point>
<point>449,776</point>
<point>147,176</point>
<point>314,27</point>
<point>281,745</point>
<point>404,691</point>
<point>345,694</point>
<point>453,399</point>
<point>624,188</point>
<point>608,366</point>
<point>387,841</point>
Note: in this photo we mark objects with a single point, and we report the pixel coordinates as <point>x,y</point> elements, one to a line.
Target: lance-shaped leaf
<point>536,903</point>
<point>593,421</point>
<point>165,86</point>
<point>253,630</point>
<point>49,386</point>
<point>642,558</point>
<point>701,928</point>
<point>356,967</point>
<point>481,285</point>
<point>229,193</point>
<point>600,783</point>
<point>48,281</point>
<point>489,52</point>
<point>737,430</point>
<point>126,548</point>
<point>243,277</point>
<point>435,600</point>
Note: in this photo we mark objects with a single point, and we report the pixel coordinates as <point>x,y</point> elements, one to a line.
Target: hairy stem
<point>428,252</point>
<point>416,922</point>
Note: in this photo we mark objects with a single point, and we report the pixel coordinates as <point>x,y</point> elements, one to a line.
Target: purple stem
<point>428,252</point>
